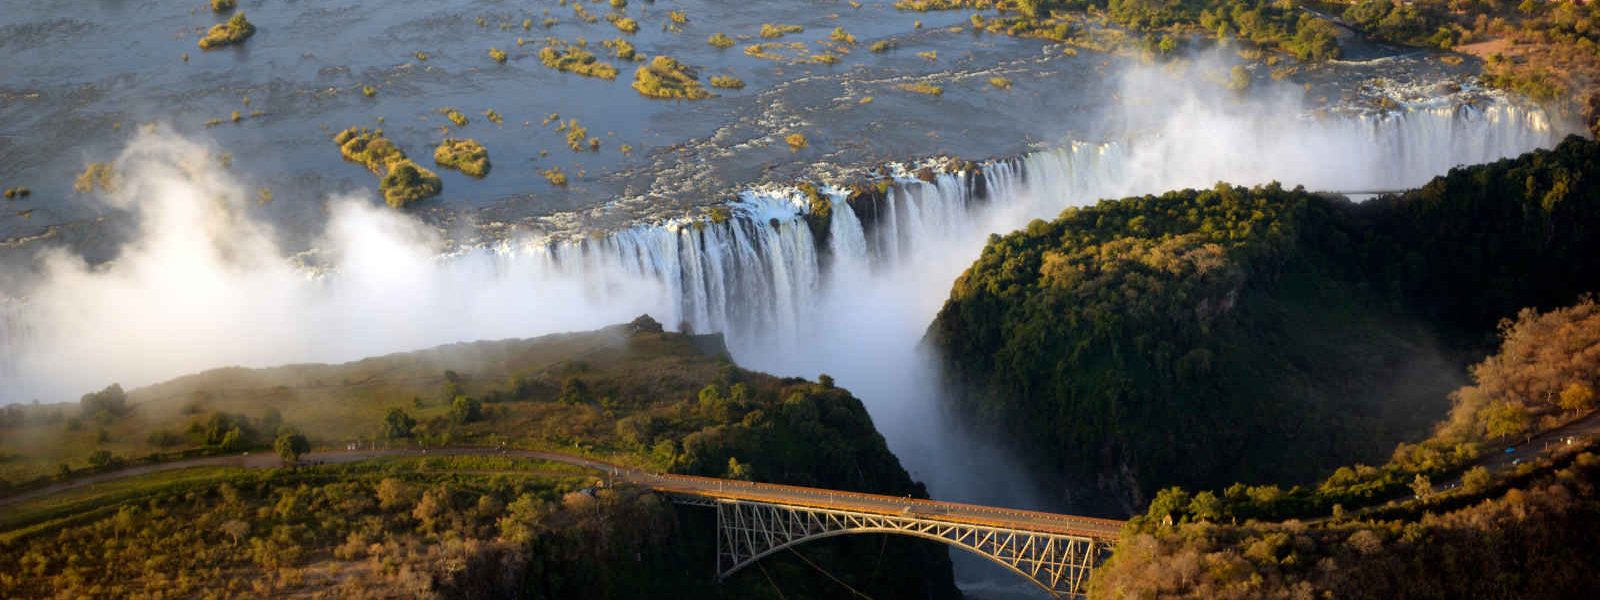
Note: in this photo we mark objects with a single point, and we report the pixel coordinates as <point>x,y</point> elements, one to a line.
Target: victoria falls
<point>799,299</point>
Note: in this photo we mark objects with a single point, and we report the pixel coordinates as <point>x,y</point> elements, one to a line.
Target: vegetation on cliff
<point>1190,338</point>
<point>631,394</point>
<point>1509,529</point>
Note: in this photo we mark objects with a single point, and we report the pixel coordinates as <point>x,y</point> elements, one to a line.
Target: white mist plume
<point>202,284</point>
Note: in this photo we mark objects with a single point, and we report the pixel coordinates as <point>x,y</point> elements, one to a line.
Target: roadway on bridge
<point>704,487</point>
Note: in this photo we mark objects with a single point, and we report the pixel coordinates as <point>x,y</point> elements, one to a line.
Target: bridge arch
<point>887,531</point>
<point>748,531</point>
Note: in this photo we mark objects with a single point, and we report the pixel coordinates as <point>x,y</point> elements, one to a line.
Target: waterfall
<point>760,276</point>
<point>795,294</point>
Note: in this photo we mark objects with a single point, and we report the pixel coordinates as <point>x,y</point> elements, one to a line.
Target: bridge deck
<point>934,510</point>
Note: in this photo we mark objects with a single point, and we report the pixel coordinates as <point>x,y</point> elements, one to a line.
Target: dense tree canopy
<point>1191,337</point>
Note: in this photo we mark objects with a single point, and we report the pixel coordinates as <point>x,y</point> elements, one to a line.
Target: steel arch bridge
<point>1054,559</point>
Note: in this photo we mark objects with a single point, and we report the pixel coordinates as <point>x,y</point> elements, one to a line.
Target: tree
<point>466,410</point>
<point>1475,479</point>
<point>1422,486</point>
<point>574,391</point>
<point>1169,502</point>
<point>1505,419</point>
<point>1577,398</point>
<point>101,458</point>
<point>105,404</point>
<point>235,529</point>
<point>1205,506</point>
<point>737,470</point>
<point>290,446</point>
<point>397,424</point>
<point>523,519</point>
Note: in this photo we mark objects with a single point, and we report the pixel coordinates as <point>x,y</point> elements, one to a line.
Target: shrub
<point>455,116</point>
<point>720,40</point>
<point>555,176</point>
<point>922,88</point>
<point>397,424</point>
<point>369,91</point>
<point>881,46</point>
<point>930,55</point>
<point>667,78</point>
<point>403,181</point>
<point>223,5</point>
<point>467,156</point>
<point>235,31</point>
<point>624,24</point>
<point>771,31</point>
<point>493,117</point>
<point>624,50</point>
<point>97,176</point>
<point>408,182</point>
<point>497,54</point>
<point>796,141</point>
<point>572,59</point>
<point>839,35</point>
<point>290,446</point>
<point>1000,82</point>
<point>727,82</point>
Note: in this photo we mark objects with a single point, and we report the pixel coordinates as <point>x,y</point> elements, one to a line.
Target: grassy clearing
<point>467,156</point>
<point>666,78</point>
<point>235,31</point>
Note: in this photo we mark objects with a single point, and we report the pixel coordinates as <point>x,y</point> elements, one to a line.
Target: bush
<point>771,31</point>
<point>99,176</point>
<point>572,59</point>
<point>727,82</point>
<point>922,88</point>
<point>555,176</point>
<point>223,5</point>
<point>796,141</point>
<point>667,78</point>
<point>1000,82</point>
<point>720,40</point>
<point>467,156</point>
<point>235,31</point>
<point>497,55</point>
<point>403,181</point>
<point>290,446</point>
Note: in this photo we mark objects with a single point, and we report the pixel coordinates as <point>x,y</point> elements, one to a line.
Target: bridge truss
<point>748,531</point>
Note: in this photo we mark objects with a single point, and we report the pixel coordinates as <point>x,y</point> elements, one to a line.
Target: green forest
<point>1262,335</point>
